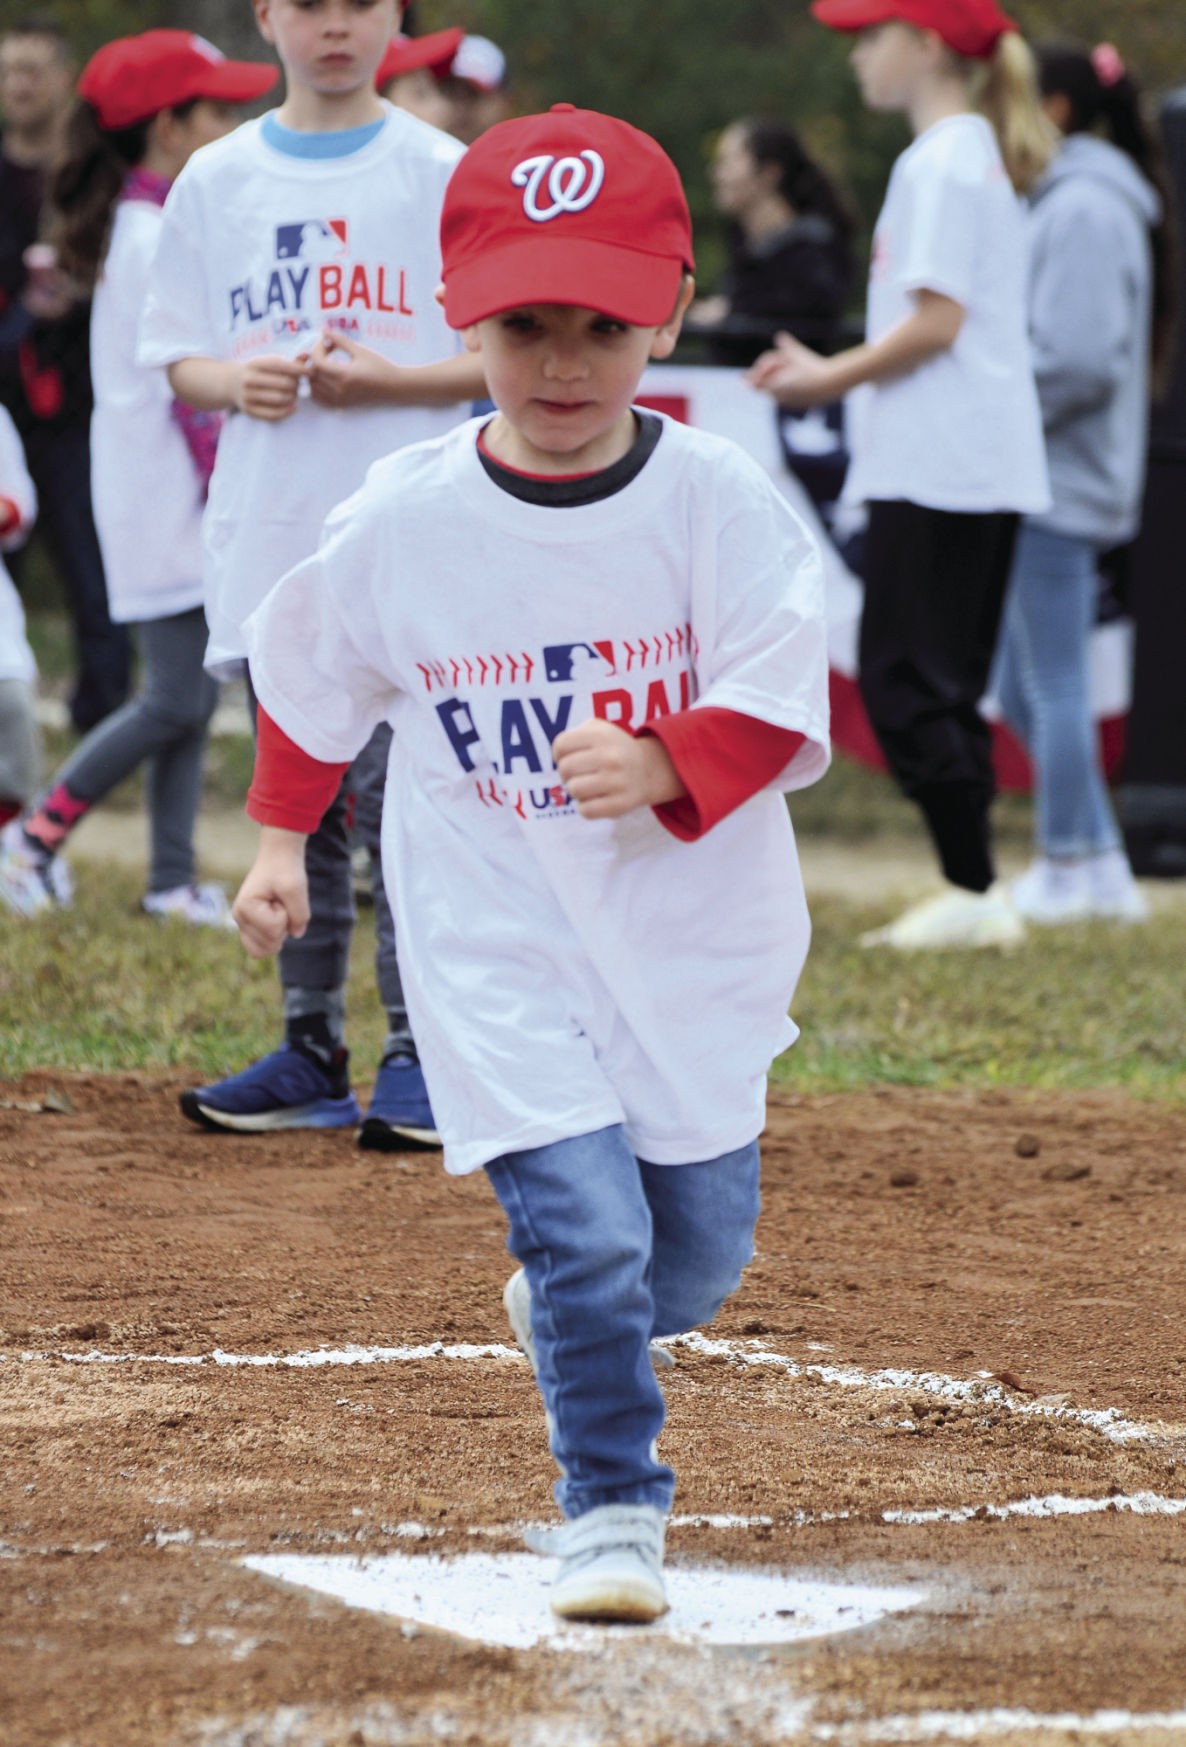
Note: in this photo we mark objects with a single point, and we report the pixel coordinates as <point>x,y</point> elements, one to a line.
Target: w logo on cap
<point>572,184</point>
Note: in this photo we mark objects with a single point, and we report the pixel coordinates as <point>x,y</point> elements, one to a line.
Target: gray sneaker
<point>611,1563</point>
<point>516,1296</point>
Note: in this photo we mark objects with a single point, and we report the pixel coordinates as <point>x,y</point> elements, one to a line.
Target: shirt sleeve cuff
<point>723,758</point>
<point>289,788</point>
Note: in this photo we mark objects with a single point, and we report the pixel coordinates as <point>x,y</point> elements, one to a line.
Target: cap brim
<point>409,55</point>
<point>628,284</point>
<point>853,14</point>
<point>236,81</point>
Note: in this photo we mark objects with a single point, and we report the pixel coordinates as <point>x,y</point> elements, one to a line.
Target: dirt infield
<point>958,1364</point>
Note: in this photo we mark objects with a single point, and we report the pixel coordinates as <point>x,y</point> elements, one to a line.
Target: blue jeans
<point>1042,683</point>
<point>617,1252</point>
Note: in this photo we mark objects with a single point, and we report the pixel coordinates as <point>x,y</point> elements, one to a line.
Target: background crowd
<point>789,248</point>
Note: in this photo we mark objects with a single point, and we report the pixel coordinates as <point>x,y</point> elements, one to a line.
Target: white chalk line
<point>981,1391</point>
<point>977,1391</point>
<point>977,1725</point>
<point>1054,1504</point>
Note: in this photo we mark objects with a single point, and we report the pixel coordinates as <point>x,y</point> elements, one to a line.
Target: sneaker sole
<point>337,1113</point>
<point>1004,940</point>
<point>378,1136</point>
<point>17,903</point>
<point>610,1600</point>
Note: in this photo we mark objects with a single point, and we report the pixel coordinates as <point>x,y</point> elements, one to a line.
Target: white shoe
<point>1114,891</point>
<point>203,906</point>
<point>31,883</point>
<point>954,917</point>
<point>516,1297</point>
<point>611,1563</point>
<point>1050,892</point>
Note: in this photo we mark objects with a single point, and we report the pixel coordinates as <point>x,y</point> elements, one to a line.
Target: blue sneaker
<point>287,1089</point>
<point>400,1117</point>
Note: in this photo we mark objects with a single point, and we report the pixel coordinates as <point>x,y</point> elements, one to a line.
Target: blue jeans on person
<point>617,1252</point>
<point>1042,683</point>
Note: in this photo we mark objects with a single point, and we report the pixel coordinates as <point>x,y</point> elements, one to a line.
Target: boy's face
<point>564,379</point>
<point>329,46</point>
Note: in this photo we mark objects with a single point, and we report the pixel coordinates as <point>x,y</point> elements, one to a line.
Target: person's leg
<point>934,586</point>
<point>399,1116</point>
<point>150,722</point>
<point>1052,612</point>
<point>28,886</point>
<point>60,463</point>
<point>174,676</point>
<point>581,1227</point>
<point>20,747</point>
<point>306,1082</point>
<point>1005,680</point>
<point>703,1218</point>
<point>1082,868</point>
<point>313,970</point>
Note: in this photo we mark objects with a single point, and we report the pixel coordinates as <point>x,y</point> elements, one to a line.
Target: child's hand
<point>267,388</point>
<point>608,772</point>
<point>273,901</point>
<point>794,374</point>
<point>343,373</point>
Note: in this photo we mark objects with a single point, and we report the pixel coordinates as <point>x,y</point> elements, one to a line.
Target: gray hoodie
<point>1091,294</point>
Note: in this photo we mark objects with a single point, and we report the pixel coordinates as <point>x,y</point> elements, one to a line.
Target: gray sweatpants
<point>20,743</point>
<point>165,724</point>
<point>313,969</point>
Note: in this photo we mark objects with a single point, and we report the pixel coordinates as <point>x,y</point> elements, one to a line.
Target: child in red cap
<point>600,637</point>
<point>946,434</point>
<point>294,287</point>
<point>145,104</point>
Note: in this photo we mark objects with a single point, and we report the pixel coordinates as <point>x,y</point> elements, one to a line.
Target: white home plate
<point>503,1599</point>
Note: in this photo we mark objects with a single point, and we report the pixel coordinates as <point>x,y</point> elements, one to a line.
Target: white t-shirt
<point>16,657</point>
<point>563,974</point>
<point>962,431</point>
<point>146,490</point>
<point>261,252</point>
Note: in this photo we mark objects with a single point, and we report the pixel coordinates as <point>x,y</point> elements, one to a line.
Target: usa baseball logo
<point>572,183</point>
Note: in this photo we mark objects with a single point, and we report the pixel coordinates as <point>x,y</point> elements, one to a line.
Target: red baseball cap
<point>135,77</point>
<point>407,54</point>
<point>569,207</point>
<point>970,27</point>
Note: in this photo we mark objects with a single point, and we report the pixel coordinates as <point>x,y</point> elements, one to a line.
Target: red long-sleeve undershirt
<point>721,756</point>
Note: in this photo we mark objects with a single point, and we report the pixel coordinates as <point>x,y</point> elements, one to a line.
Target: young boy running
<point>599,636</point>
<point>293,286</point>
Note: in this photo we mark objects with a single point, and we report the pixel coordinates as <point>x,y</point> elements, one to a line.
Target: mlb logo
<point>565,661</point>
<point>313,239</point>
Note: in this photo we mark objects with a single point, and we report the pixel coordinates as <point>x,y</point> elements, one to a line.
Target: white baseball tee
<point>564,974</point>
<point>261,252</point>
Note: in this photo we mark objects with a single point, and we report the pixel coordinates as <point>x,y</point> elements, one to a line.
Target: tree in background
<point>682,69</point>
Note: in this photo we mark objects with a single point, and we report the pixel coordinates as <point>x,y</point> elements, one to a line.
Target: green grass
<point>104,989</point>
<point>1073,1008</point>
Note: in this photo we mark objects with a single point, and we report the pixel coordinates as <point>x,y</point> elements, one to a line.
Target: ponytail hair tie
<point>1109,64</point>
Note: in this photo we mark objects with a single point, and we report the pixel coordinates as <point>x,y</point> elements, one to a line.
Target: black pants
<point>60,465</point>
<point>934,588</point>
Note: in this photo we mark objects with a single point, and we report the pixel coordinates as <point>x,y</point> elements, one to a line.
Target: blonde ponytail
<point>1006,92</point>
